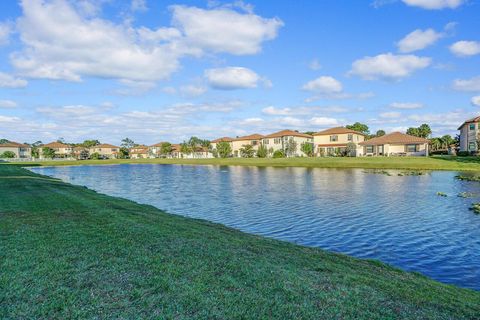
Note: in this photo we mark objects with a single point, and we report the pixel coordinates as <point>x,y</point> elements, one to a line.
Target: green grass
<point>411,163</point>
<point>67,252</point>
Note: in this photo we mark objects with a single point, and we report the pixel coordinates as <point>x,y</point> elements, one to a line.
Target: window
<point>266,141</point>
<point>350,137</point>
<point>472,126</point>
<point>334,138</point>
<point>369,149</point>
<point>471,146</point>
<point>254,142</point>
<point>412,147</point>
<point>277,140</point>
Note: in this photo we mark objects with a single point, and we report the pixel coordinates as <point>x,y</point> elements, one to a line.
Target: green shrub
<point>7,155</point>
<point>279,154</point>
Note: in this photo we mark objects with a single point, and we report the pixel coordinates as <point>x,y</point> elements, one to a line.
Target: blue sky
<point>160,70</point>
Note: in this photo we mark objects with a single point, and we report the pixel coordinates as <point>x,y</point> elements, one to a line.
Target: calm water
<point>399,220</point>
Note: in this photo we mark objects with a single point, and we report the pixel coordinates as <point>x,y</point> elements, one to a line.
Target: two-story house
<point>469,134</point>
<point>62,150</point>
<point>105,150</point>
<point>333,141</point>
<point>284,139</point>
<point>19,149</point>
<point>238,143</point>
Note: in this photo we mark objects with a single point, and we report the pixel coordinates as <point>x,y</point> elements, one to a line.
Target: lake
<point>399,220</point>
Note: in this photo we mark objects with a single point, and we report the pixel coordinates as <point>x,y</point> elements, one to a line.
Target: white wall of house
<point>415,149</point>
<point>337,141</point>
<point>279,143</point>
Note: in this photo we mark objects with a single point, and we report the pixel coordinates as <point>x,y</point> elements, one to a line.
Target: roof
<point>105,145</point>
<point>284,133</point>
<point>158,144</point>
<point>12,144</point>
<point>139,149</point>
<point>56,145</point>
<point>337,130</point>
<point>332,145</point>
<point>472,120</point>
<point>394,138</point>
<point>223,139</point>
<point>254,136</point>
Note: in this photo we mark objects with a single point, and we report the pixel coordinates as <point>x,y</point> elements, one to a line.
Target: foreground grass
<point>412,163</point>
<point>69,252</point>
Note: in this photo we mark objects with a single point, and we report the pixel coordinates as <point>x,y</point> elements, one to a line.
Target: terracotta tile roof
<point>176,147</point>
<point>476,119</point>
<point>158,145</point>
<point>56,145</point>
<point>254,136</point>
<point>337,130</point>
<point>284,133</point>
<point>142,149</point>
<point>105,145</point>
<point>394,138</point>
<point>223,139</point>
<point>12,144</point>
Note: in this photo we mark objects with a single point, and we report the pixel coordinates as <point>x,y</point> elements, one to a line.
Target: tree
<point>359,127</point>
<point>194,143</point>
<point>290,148</point>
<point>90,143</point>
<point>8,155</point>
<point>307,148</point>
<point>380,133</point>
<point>262,151</point>
<point>166,149</point>
<point>185,148</point>
<point>311,133</point>
<point>48,153</point>
<point>247,151</point>
<point>2,141</point>
<point>224,149</point>
<point>123,153</point>
<point>447,140</point>
<point>95,156</point>
<point>351,149</point>
<point>206,145</point>
<point>435,143</point>
<point>128,143</point>
<point>423,131</point>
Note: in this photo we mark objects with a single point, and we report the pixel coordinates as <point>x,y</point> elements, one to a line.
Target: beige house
<point>254,139</point>
<point>139,152</point>
<point>215,142</point>
<point>333,141</point>
<point>199,153</point>
<point>281,139</point>
<point>62,150</point>
<point>105,150</point>
<point>395,144</point>
<point>469,132</point>
<point>19,149</point>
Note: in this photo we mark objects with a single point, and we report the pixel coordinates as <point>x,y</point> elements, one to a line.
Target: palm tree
<point>207,146</point>
<point>194,143</point>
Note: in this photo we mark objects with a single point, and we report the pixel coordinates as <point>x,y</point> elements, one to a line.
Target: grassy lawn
<point>69,252</point>
<point>413,163</point>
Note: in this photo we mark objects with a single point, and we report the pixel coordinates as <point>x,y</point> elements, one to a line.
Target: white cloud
<point>435,4</point>
<point>388,66</point>
<point>9,81</point>
<point>324,84</point>
<point>62,43</point>
<point>305,110</point>
<point>323,121</point>
<point>7,104</point>
<point>418,40</point>
<point>193,90</point>
<point>7,119</point>
<point>224,30</point>
<point>465,48</point>
<point>476,101</point>
<point>277,111</point>
<point>315,65</point>
<point>134,87</point>
<point>5,31</point>
<point>470,85</point>
<point>390,115</point>
<point>406,105</point>
<point>231,78</point>
<point>139,5</point>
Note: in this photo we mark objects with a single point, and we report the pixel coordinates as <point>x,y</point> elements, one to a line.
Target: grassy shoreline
<point>69,252</point>
<point>406,163</point>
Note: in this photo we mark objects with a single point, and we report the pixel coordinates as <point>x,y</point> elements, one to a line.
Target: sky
<point>167,70</point>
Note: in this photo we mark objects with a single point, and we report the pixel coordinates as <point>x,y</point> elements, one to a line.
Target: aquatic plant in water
<point>441,194</point>
<point>466,195</point>
<point>475,207</point>
<point>467,178</point>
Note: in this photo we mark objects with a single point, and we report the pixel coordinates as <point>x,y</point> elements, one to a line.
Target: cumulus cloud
<point>324,84</point>
<point>306,110</point>
<point>224,30</point>
<point>8,104</point>
<point>418,40</point>
<point>469,85</point>
<point>406,105</point>
<point>435,4</point>
<point>465,48</point>
<point>5,31</point>
<point>323,121</point>
<point>9,81</point>
<point>390,115</point>
<point>139,5</point>
<point>61,43</point>
<point>231,78</point>
<point>388,66</point>
<point>476,101</point>
<point>192,90</point>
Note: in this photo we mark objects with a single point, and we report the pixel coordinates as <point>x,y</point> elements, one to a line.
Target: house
<point>215,142</point>
<point>395,144</point>
<point>469,135</point>
<point>105,151</point>
<point>199,153</point>
<point>139,152</point>
<point>254,139</point>
<point>62,150</point>
<point>282,139</point>
<point>81,153</point>
<point>155,149</point>
<point>19,149</point>
<point>334,141</point>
